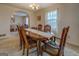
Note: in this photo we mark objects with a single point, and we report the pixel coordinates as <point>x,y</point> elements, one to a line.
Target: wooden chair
<point>39,27</point>
<point>28,43</point>
<point>47,28</point>
<point>57,49</point>
<point>33,28</point>
<point>20,35</point>
<point>26,26</point>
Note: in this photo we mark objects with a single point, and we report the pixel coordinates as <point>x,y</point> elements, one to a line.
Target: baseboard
<point>73,44</point>
<point>3,36</point>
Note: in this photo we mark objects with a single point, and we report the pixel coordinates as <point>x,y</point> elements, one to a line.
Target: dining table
<point>39,36</point>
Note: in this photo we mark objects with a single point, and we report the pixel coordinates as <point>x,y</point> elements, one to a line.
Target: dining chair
<point>20,35</point>
<point>57,49</point>
<point>28,43</point>
<point>39,27</point>
<point>47,28</point>
<point>34,28</point>
<point>26,26</point>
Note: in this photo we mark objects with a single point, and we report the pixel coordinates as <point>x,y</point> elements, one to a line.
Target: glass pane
<point>52,19</point>
<point>26,20</point>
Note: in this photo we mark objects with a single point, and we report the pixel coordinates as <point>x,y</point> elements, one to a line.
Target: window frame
<point>46,20</point>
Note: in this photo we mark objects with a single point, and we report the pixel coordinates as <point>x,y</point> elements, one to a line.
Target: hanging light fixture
<point>34,6</point>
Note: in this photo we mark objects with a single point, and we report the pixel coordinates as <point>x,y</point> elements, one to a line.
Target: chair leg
<point>45,46</point>
<point>60,53</point>
<point>38,48</point>
<point>42,51</point>
<point>21,43</point>
<point>63,53</point>
<point>27,52</point>
<point>37,52</point>
<point>54,39</point>
<point>23,50</point>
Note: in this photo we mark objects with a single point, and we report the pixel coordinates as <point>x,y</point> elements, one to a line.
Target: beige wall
<point>68,15</point>
<point>5,16</point>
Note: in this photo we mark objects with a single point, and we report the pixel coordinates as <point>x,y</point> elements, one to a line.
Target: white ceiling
<point>26,5</point>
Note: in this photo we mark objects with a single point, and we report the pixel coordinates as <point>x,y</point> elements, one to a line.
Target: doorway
<point>19,18</point>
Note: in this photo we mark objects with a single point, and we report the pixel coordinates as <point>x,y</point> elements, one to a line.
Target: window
<point>51,19</point>
<point>27,21</point>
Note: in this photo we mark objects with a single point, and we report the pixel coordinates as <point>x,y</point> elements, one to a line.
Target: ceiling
<point>20,13</point>
<point>26,5</point>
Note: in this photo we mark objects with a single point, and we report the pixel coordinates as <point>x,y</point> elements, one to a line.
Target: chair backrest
<point>33,28</point>
<point>19,31</point>
<point>39,27</point>
<point>24,36</point>
<point>63,40</point>
<point>25,25</point>
<point>47,28</point>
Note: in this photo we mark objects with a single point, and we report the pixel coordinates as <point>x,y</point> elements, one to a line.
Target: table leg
<point>38,48</point>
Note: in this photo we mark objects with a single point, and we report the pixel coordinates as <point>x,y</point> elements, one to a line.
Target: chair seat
<point>32,42</point>
<point>51,51</point>
<point>33,45</point>
<point>52,44</point>
<point>53,48</point>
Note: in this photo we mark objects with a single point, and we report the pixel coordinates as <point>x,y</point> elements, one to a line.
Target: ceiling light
<point>34,6</point>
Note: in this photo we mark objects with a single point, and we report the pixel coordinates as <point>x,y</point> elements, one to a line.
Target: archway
<point>19,18</point>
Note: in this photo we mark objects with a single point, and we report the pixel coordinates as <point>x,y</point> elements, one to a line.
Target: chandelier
<point>34,6</point>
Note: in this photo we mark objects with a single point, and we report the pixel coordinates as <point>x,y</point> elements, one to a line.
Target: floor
<point>10,47</point>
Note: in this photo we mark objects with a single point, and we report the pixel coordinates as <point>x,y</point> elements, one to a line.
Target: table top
<point>41,33</point>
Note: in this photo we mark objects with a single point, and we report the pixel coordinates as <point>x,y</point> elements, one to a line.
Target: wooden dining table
<point>39,36</point>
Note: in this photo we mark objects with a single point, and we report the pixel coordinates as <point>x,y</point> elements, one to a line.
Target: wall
<point>68,15</point>
<point>6,11</point>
